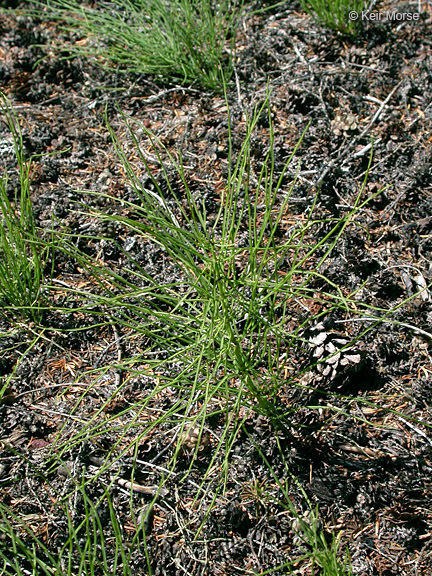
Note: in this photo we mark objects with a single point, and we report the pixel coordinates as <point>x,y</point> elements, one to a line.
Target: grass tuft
<point>343,16</point>
<point>23,255</point>
<point>186,41</point>
<point>226,320</point>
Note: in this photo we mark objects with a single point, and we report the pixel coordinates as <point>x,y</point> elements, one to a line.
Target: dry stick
<point>373,319</point>
<point>134,486</point>
<point>239,96</point>
<point>49,387</point>
<point>118,373</point>
<point>116,343</point>
<point>163,93</point>
<point>422,434</point>
<point>347,151</point>
<point>113,343</point>
<point>140,488</point>
<point>363,450</point>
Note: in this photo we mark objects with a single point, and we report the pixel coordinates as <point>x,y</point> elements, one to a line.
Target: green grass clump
<point>85,548</point>
<point>22,253</point>
<point>336,14</point>
<point>187,41</point>
<point>226,319</point>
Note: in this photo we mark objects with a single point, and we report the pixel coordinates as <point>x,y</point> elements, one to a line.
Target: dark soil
<point>366,468</point>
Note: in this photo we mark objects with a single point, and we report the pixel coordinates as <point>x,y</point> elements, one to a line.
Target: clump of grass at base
<point>227,320</point>
<point>336,14</point>
<point>186,41</point>
<point>22,253</point>
<point>90,545</point>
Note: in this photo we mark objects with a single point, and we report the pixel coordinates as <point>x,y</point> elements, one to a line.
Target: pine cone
<point>334,360</point>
